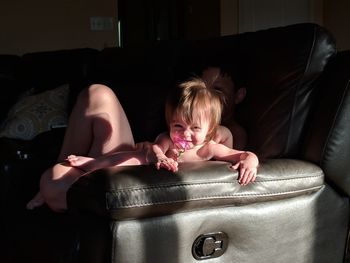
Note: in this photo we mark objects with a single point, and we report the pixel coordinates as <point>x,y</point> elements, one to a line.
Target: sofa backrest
<point>141,78</point>
<point>327,142</point>
<point>35,74</point>
<point>49,69</point>
<point>280,68</point>
<point>8,84</point>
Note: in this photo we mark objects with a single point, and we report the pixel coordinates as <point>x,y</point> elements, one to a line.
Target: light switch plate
<point>101,23</point>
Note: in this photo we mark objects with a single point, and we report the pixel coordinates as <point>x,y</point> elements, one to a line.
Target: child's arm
<point>247,162</point>
<point>162,144</point>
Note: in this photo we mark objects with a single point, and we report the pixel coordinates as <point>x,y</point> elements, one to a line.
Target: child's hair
<point>192,100</point>
<point>228,66</point>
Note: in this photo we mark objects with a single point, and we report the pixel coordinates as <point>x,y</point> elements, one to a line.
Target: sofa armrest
<point>143,191</point>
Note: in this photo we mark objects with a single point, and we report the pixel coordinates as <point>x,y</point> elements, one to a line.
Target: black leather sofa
<point>296,114</point>
<point>41,235</point>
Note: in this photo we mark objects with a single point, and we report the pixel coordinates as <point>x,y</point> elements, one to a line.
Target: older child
<point>223,79</point>
<point>193,115</point>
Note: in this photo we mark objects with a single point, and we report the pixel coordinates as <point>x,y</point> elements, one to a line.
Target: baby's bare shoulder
<point>211,146</point>
<point>223,135</point>
<point>223,130</point>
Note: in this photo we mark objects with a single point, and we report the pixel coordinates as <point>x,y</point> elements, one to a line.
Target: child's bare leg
<point>81,162</point>
<point>55,183</point>
<point>97,125</point>
<point>37,201</point>
<point>125,158</point>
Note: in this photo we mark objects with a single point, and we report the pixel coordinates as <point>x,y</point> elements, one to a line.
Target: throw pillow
<point>37,113</point>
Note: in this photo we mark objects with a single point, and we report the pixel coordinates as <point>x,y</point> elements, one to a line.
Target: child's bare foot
<point>81,162</point>
<point>37,201</point>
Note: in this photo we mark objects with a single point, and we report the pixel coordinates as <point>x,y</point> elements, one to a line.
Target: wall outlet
<point>101,23</point>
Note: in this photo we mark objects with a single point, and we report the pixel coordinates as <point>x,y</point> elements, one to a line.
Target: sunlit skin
<point>200,149</point>
<point>166,152</point>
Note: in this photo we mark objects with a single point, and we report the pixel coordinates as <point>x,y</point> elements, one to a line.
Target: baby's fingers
<point>251,176</point>
<point>247,176</point>
<point>168,164</point>
<point>242,176</point>
<point>172,165</point>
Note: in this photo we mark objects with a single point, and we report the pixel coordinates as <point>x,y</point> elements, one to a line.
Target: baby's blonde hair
<point>193,100</point>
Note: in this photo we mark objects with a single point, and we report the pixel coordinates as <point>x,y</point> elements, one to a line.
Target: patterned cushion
<point>35,114</point>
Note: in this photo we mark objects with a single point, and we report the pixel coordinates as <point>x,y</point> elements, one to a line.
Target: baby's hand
<point>246,174</point>
<point>167,163</point>
<point>81,162</point>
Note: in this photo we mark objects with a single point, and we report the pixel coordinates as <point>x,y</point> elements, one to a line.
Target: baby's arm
<point>247,162</point>
<point>162,144</point>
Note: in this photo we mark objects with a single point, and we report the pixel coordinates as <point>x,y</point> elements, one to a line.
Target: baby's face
<point>223,83</point>
<point>189,134</point>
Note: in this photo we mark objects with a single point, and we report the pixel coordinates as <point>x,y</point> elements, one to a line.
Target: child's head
<point>222,79</point>
<point>193,112</point>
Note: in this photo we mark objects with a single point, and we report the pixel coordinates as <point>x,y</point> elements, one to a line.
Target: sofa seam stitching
<point>214,197</point>
<point>209,183</point>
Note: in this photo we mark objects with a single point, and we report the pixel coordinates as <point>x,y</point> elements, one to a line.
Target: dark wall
<point>156,20</point>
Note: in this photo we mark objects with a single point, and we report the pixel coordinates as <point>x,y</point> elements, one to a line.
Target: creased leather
<point>294,230</point>
<point>141,191</point>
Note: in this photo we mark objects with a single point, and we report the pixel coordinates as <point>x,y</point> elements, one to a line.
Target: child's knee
<point>98,92</point>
